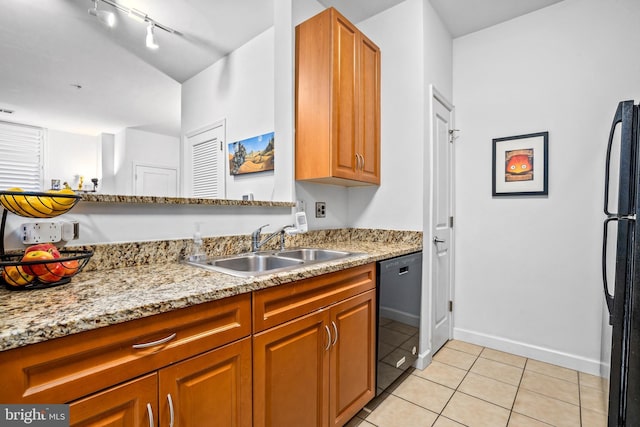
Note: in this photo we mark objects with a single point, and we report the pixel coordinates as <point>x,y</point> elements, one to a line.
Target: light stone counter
<point>97,298</point>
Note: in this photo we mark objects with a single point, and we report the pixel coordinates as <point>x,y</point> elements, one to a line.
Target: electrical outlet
<point>321,209</point>
<point>39,232</point>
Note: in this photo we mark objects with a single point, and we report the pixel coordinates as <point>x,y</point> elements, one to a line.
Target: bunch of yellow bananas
<point>37,206</point>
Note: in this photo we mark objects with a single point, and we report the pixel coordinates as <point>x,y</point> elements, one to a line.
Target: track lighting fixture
<point>104,16</point>
<point>108,18</point>
<point>151,39</point>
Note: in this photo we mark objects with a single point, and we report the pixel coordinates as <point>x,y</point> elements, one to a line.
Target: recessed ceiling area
<point>62,69</point>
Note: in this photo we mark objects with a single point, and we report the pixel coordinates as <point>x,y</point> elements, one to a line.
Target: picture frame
<point>252,155</point>
<point>521,165</point>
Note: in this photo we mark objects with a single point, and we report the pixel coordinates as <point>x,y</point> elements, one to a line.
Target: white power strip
<point>41,232</point>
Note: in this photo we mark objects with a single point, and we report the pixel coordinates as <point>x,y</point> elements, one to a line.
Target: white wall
<point>69,156</point>
<point>397,202</point>
<point>528,276</point>
<point>240,89</point>
<point>138,147</point>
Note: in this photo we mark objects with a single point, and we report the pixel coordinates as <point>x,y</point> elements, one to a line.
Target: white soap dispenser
<point>196,253</point>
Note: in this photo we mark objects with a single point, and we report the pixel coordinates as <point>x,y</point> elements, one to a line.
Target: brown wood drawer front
<point>64,369</point>
<point>280,304</point>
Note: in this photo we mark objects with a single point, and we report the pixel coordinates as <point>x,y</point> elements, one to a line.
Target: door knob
<point>436,240</point>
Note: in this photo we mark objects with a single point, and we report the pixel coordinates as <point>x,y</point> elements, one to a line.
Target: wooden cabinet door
<point>132,404</point>
<point>344,131</point>
<point>291,366</point>
<point>353,356</point>
<point>337,102</point>
<point>369,111</point>
<point>212,389</point>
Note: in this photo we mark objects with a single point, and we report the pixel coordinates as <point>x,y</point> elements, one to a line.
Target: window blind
<point>21,159</point>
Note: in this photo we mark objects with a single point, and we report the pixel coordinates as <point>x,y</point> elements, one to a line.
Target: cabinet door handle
<point>357,161</point>
<point>170,401</point>
<point>154,343</point>
<point>328,338</point>
<point>362,163</point>
<point>335,328</point>
<point>150,412</point>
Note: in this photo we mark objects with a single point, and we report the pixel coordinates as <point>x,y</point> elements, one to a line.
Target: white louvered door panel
<point>206,163</point>
<point>21,149</point>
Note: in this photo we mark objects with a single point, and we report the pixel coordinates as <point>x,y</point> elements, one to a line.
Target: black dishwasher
<point>399,292</point>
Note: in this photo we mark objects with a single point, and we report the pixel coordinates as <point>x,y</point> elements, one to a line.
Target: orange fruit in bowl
<point>16,276</point>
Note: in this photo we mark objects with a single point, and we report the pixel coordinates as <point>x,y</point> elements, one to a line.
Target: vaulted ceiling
<point>62,69</point>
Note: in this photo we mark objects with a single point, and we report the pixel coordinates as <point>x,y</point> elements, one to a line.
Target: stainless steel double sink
<point>267,262</point>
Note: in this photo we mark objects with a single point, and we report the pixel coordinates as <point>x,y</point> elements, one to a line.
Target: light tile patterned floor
<point>469,385</point>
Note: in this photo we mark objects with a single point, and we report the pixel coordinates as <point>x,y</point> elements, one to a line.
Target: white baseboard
<point>571,361</point>
<point>424,360</point>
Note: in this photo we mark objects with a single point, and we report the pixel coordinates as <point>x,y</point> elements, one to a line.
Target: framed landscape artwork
<point>252,155</point>
<point>520,165</point>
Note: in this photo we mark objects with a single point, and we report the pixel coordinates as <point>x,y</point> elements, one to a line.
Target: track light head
<point>104,16</point>
<point>151,39</point>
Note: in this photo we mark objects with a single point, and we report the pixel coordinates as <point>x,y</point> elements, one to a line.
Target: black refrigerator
<point>622,294</point>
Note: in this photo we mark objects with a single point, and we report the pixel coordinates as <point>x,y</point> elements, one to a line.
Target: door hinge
<point>450,222</point>
<point>452,135</point>
<point>450,305</point>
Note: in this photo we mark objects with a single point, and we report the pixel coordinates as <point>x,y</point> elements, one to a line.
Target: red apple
<point>47,247</point>
<point>54,272</point>
<point>36,269</point>
<point>70,267</point>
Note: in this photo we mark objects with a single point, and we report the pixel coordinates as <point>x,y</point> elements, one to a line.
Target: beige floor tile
<point>506,358</point>
<point>498,371</point>
<point>456,358</point>
<point>440,373</point>
<point>396,412</point>
<point>488,389</point>
<point>594,381</point>
<point>519,420</point>
<point>593,418</point>
<point>594,399</point>
<point>474,412</point>
<point>424,393</point>
<point>446,422</point>
<point>547,409</point>
<point>464,346</point>
<point>551,386</point>
<point>355,421</point>
<point>552,370</point>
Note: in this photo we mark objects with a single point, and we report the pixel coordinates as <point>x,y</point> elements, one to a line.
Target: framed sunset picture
<point>520,165</point>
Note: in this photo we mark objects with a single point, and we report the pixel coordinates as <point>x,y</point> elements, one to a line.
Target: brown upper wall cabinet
<point>337,102</point>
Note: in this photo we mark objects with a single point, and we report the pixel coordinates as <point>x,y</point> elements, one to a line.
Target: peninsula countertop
<point>95,299</point>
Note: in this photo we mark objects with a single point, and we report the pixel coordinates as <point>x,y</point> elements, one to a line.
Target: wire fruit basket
<point>38,205</point>
<point>18,274</point>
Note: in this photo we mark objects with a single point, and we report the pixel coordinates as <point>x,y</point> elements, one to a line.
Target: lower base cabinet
<point>130,404</point>
<point>300,354</point>
<point>316,370</point>
<point>212,389</point>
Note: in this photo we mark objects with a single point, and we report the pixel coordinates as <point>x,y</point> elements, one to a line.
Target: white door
<point>441,220</point>
<point>204,162</point>
<point>155,180</point>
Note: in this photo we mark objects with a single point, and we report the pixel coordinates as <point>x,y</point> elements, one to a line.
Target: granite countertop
<point>99,298</point>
